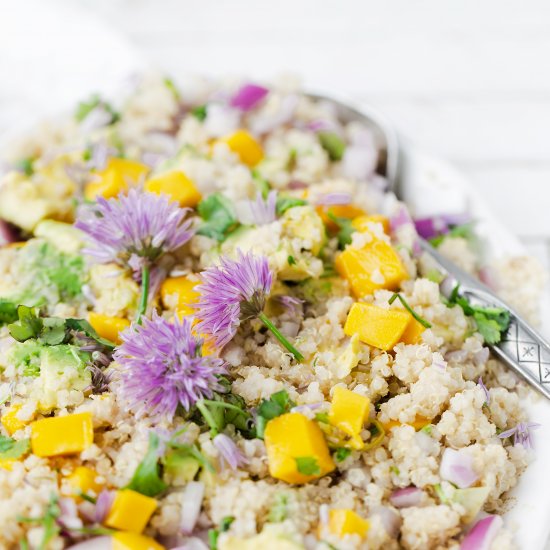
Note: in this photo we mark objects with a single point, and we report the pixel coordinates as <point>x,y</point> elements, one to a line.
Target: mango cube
<point>378,327</point>
<point>133,541</point>
<point>361,223</point>
<point>130,511</point>
<point>10,421</point>
<point>347,522</point>
<point>418,423</point>
<point>115,177</point>
<point>177,186</point>
<point>349,412</point>
<point>413,332</point>
<point>183,290</point>
<point>246,147</point>
<point>108,327</point>
<point>62,435</point>
<point>376,265</point>
<point>293,436</point>
<point>83,480</point>
<point>348,211</point>
<point>7,464</point>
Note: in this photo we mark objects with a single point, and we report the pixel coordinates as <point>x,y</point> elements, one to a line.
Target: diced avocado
<point>64,236</point>
<point>26,357</point>
<point>472,499</point>
<point>302,222</point>
<point>180,468</point>
<point>273,537</point>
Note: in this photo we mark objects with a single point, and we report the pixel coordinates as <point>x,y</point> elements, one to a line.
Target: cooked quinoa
<point>248,377</point>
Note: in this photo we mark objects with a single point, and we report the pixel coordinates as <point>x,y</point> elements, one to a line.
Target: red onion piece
<point>191,505</point>
<point>482,356</point>
<point>68,517</point>
<point>409,496</point>
<point>284,114</point>
<point>248,97</point>
<point>103,504</point>
<point>428,228</point>
<point>8,234</point>
<point>333,199</point>
<point>97,543</point>
<point>488,276</point>
<point>458,355</point>
<point>391,520</point>
<point>482,534</point>
<point>457,467</point>
<point>295,184</point>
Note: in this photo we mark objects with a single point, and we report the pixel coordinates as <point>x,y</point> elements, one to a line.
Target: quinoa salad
<point>218,331</point>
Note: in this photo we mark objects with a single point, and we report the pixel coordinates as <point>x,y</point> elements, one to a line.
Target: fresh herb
<point>48,522</point>
<point>86,107</point>
<point>333,144</point>
<point>341,454</point>
<point>427,429</point>
<point>291,260</point>
<point>465,231</point>
<point>8,312</point>
<point>218,215</point>
<point>435,276</point>
<point>262,183</point>
<point>12,449</point>
<point>345,229</point>
<point>213,534</point>
<point>307,465</point>
<point>169,83</point>
<point>292,160</point>
<point>286,203</point>
<point>200,112</point>
<point>377,434</point>
<point>404,303</point>
<point>491,322</point>
<point>278,404</point>
<point>81,325</point>
<point>147,478</point>
<point>224,410</point>
<point>322,417</point>
<point>279,510</point>
<point>395,470</point>
<point>25,165</point>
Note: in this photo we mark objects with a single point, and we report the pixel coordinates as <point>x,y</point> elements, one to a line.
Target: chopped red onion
<point>333,199</point>
<point>284,114</point>
<point>306,407</point>
<point>319,125</point>
<point>192,543</point>
<point>428,228</point>
<point>482,534</point>
<point>8,234</point>
<point>103,504</point>
<point>359,162</point>
<point>488,276</point>
<point>482,356</point>
<point>295,184</point>
<point>409,496</point>
<point>97,543</point>
<point>457,467</point>
<point>459,355</point>
<point>229,452</point>
<point>248,97</point>
<point>191,503</point>
<point>68,516</point>
<point>391,520</point>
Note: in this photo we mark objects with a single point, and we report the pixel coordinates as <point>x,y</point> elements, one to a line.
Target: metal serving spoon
<point>522,348</point>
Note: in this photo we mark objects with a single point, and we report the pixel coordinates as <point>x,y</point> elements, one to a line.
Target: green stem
<point>224,405</point>
<point>263,318</point>
<point>201,405</point>
<point>145,273</point>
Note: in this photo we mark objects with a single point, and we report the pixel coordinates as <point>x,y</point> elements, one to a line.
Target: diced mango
<point>292,436</point>
<point>376,265</point>
<point>7,464</point>
<point>418,423</point>
<point>10,421</point>
<point>348,211</point>
<point>133,541</point>
<point>361,223</point>
<point>177,186</point>
<point>378,327</point>
<point>413,332</point>
<point>130,511</point>
<point>62,435</point>
<point>246,147</point>
<point>83,480</point>
<point>115,177</point>
<point>349,412</point>
<point>347,522</point>
<point>183,289</point>
<point>108,327</point>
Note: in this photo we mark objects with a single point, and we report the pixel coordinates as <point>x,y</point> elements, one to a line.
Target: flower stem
<point>263,318</point>
<point>145,272</point>
<point>207,415</point>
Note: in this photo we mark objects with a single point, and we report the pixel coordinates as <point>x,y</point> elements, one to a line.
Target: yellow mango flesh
<point>347,522</point>
<point>418,423</point>
<point>360,266</point>
<point>134,541</point>
<point>10,421</point>
<point>115,177</point>
<point>413,332</point>
<point>378,327</point>
<point>292,436</point>
<point>246,147</point>
<point>130,511</point>
<point>348,211</point>
<point>108,327</point>
<point>183,289</point>
<point>62,435</point>
<point>83,480</point>
<point>177,186</point>
<point>349,412</point>
<point>361,223</point>
<point>7,464</point>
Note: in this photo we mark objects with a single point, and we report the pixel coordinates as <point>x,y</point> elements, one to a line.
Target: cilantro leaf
<point>307,465</point>
<point>200,112</point>
<point>214,534</point>
<point>341,454</point>
<point>218,215</point>
<point>81,325</point>
<point>12,449</point>
<point>291,260</point>
<point>26,166</point>
<point>28,325</point>
<point>278,404</point>
<point>488,328</point>
<point>8,312</point>
<point>333,144</point>
<point>147,479</point>
<point>285,203</point>
<point>84,108</point>
<point>345,229</point>
<point>404,303</point>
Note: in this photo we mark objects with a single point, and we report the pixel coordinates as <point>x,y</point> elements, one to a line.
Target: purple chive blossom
<point>263,211</point>
<point>290,303</point>
<point>485,390</point>
<point>521,433</point>
<point>232,292</point>
<point>229,452</point>
<point>162,367</point>
<point>334,199</point>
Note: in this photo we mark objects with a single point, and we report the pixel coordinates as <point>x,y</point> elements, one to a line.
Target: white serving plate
<point>431,185</point>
